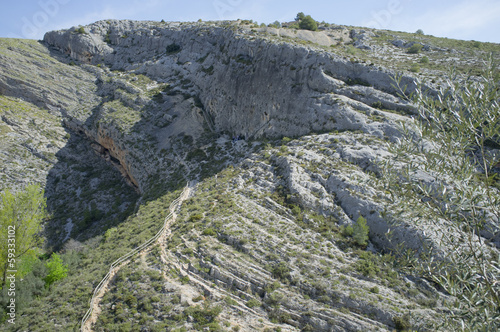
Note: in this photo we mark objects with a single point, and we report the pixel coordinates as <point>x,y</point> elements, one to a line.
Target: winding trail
<point>92,314</point>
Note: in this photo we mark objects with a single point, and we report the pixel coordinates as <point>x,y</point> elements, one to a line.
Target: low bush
<point>209,232</point>
<point>253,303</point>
<point>402,323</point>
<point>415,49</point>
<point>415,68</point>
<point>424,60</point>
<point>203,315</point>
<point>367,264</point>
<point>281,271</point>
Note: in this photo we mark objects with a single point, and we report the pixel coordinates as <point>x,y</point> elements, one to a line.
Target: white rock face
<point>254,87</point>
<point>249,86</point>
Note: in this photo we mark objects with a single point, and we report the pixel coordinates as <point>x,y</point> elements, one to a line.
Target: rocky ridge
<point>161,103</point>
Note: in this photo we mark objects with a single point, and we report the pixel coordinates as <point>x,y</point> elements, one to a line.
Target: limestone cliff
<point>250,86</point>
<point>114,117</point>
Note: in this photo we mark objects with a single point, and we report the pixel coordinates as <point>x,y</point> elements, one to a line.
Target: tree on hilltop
<point>300,16</point>
<point>308,23</point>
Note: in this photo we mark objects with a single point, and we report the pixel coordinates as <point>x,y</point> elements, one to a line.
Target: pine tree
<point>360,232</point>
<point>308,23</point>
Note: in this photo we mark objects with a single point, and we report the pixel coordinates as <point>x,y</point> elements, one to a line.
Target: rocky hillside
<point>283,131</point>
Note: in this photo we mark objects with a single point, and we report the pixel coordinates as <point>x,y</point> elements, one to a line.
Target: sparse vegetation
<point>402,323</point>
<point>415,68</point>
<point>271,224</point>
<point>424,60</point>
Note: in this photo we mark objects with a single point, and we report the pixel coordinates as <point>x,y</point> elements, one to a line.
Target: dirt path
<point>93,313</point>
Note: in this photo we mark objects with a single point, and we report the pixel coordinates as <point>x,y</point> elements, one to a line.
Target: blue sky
<point>460,19</point>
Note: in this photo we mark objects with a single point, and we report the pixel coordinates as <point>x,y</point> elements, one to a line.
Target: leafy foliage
<point>253,303</point>
<point>360,232</point>
<point>56,268</point>
<point>22,212</point>
<point>203,314</point>
<point>308,23</point>
<point>275,24</point>
<point>424,60</point>
<point>415,48</point>
<point>300,16</point>
<point>451,184</point>
<point>281,270</point>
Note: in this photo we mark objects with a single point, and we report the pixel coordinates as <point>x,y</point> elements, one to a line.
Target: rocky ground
<point>111,120</point>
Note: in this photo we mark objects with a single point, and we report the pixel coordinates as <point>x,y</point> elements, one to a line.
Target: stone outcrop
<point>249,86</point>
<point>168,102</point>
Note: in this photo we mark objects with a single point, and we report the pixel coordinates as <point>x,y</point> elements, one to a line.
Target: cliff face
<point>111,118</point>
<point>249,86</point>
<point>231,82</point>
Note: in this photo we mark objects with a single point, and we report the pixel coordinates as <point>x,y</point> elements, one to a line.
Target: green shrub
<point>415,68</point>
<point>296,211</point>
<point>188,252</point>
<point>424,59</point>
<point>57,270</point>
<point>367,264</point>
<point>415,49</point>
<point>281,271</point>
<point>253,303</point>
<point>195,217</point>
<point>131,300</point>
<point>203,315</point>
<point>272,287</point>
<point>230,301</point>
<point>209,231</point>
<point>402,323</point>
<point>275,24</point>
<point>198,298</point>
<point>275,299</point>
<point>360,232</point>
<point>278,316</point>
<point>308,23</point>
<point>347,231</point>
<point>184,280</point>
